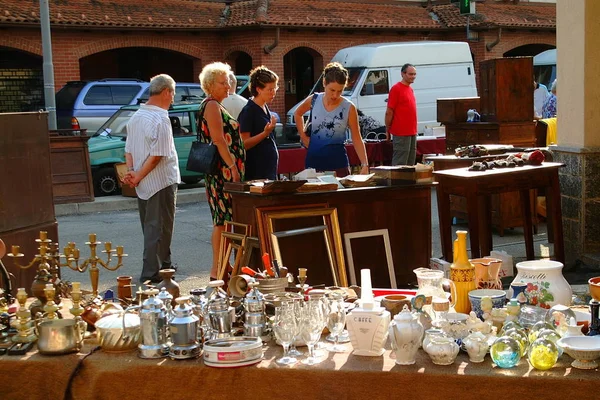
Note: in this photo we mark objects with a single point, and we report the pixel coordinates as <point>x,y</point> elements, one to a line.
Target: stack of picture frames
<point>235,250</point>
<point>307,237</point>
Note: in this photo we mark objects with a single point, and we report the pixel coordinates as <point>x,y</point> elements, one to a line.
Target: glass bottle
<point>462,273</point>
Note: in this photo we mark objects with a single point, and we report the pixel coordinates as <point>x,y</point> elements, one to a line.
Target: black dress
<point>262,159</point>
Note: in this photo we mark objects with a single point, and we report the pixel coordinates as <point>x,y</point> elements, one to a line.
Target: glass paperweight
<point>552,335</point>
<point>559,317</point>
<point>520,336</point>
<point>536,328</point>
<point>543,354</point>
<point>509,325</point>
<point>530,315</point>
<point>505,352</point>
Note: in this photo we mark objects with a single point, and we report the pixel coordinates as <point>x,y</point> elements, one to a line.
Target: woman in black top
<point>257,125</point>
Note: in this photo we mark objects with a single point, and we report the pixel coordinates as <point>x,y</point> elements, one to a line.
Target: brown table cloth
<point>340,376</point>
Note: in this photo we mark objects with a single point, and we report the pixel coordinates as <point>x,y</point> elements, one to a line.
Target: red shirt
<point>402,101</point>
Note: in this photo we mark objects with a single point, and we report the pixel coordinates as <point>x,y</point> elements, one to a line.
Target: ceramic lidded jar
<point>546,285</point>
<point>477,346</point>
<point>442,349</point>
<point>406,333</point>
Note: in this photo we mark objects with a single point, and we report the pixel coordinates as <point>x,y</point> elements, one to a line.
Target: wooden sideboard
<point>26,202</point>
<point>519,134</point>
<point>405,211</point>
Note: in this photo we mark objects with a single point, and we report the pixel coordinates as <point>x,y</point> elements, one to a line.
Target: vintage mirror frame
<point>250,244</point>
<point>388,253</point>
<point>275,236</point>
<point>330,219</point>
<point>229,242</point>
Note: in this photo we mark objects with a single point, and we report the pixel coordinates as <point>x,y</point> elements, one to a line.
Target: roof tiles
<point>213,14</point>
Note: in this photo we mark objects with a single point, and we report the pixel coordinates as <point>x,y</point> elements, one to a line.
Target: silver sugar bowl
<point>184,330</point>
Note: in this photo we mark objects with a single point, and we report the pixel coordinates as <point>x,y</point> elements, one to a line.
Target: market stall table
<point>478,186</point>
<point>405,211</point>
<point>291,160</point>
<point>340,376</point>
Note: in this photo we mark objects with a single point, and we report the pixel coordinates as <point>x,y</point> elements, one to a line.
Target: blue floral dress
<point>219,201</point>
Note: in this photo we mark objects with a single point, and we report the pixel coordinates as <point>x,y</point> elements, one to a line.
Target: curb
<point>122,203</point>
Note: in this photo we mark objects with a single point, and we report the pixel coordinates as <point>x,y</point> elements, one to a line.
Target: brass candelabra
<point>43,275</point>
<point>71,253</point>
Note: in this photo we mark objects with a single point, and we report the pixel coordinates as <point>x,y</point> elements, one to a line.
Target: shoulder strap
<point>312,104</point>
<point>200,117</point>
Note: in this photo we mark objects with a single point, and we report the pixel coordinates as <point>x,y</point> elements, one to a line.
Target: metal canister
<point>153,322</point>
<point>254,305</point>
<point>167,299</point>
<point>184,329</point>
<point>200,306</point>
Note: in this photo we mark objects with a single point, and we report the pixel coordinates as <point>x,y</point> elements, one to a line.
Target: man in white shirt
<point>234,102</point>
<point>154,172</point>
<point>540,93</point>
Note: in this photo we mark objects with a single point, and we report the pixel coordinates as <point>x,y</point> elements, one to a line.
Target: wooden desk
<point>506,207</point>
<point>404,210</point>
<point>477,187</point>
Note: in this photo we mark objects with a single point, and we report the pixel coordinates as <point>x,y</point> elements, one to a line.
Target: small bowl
<point>594,284</point>
<point>584,349</point>
<point>498,299</point>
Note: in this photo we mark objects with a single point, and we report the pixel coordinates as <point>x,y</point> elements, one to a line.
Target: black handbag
<point>203,158</point>
<point>308,126</point>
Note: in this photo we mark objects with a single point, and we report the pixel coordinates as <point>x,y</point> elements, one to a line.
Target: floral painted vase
<point>545,284</point>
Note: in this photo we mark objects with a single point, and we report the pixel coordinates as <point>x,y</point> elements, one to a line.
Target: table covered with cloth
<point>291,160</point>
<point>340,376</point>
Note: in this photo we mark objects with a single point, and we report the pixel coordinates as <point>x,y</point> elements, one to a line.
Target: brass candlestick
<point>24,327</point>
<point>50,308</point>
<point>72,256</point>
<point>43,275</point>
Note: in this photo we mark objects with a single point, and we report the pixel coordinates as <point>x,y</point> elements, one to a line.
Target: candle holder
<point>302,278</point>
<point>76,310</point>
<point>43,275</point>
<point>50,309</point>
<point>71,253</point>
<point>23,340</point>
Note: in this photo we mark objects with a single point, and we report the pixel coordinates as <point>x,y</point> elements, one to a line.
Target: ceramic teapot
<point>477,346</point>
<point>406,333</point>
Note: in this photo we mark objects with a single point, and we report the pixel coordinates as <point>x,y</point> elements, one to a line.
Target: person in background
<point>549,109</point>
<point>401,118</point>
<point>153,169</point>
<point>216,125</point>
<point>257,126</point>
<point>234,102</point>
<point>332,115</point>
<point>540,93</point>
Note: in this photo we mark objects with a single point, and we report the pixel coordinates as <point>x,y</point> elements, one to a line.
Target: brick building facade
<point>94,39</point>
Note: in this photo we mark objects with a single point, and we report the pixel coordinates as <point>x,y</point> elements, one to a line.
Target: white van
<point>544,67</point>
<point>444,69</point>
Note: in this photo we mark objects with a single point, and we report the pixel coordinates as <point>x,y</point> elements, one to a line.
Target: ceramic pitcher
<point>487,270</point>
<point>406,333</point>
<point>462,273</point>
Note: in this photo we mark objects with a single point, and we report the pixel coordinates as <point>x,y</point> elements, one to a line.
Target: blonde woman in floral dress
<point>219,127</point>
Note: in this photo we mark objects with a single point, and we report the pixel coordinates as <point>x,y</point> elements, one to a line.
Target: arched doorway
<point>240,62</point>
<point>21,81</point>
<point>137,62</point>
<point>544,73</point>
<point>302,67</point>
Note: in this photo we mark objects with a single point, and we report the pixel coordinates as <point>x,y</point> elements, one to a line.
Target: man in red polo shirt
<point>401,118</point>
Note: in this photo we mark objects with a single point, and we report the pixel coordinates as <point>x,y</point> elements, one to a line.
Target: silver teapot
<point>200,306</point>
<point>220,314</point>
<point>153,321</point>
<point>254,316</point>
<point>167,299</point>
<point>184,330</point>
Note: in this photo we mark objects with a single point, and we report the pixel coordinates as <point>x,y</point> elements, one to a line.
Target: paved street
<point>191,241</point>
